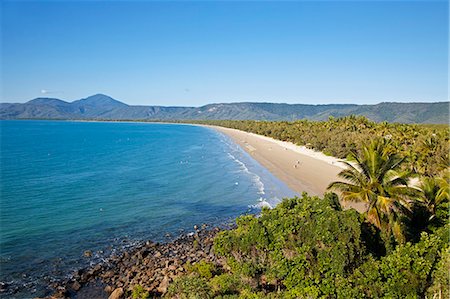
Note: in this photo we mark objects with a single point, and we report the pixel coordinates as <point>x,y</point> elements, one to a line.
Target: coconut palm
<point>376,179</point>
<point>444,184</point>
<point>434,192</point>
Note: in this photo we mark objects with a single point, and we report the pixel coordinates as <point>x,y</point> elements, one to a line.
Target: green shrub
<point>202,268</point>
<point>249,295</point>
<point>195,244</point>
<point>139,293</point>
<point>189,287</point>
<point>441,278</point>
<point>234,296</point>
<point>304,243</point>
<point>226,284</point>
<point>405,273</point>
<point>309,247</point>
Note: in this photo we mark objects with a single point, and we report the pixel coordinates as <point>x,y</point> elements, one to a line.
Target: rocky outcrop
<point>151,265</point>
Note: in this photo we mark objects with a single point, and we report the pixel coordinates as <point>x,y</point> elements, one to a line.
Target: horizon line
<point>233,102</point>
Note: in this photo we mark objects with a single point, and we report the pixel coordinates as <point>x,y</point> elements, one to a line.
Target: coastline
<point>301,169</point>
<point>155,265</point>
<point>150,264</point>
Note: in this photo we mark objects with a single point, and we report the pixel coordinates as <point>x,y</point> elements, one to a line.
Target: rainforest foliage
<point>425,147</point>
<point>309,247</point>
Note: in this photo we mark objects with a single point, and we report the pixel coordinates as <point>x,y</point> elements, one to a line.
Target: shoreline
<point>155,264</point>
<point>150,264</point>
<point>301,169</point>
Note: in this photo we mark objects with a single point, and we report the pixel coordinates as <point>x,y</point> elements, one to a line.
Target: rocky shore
<point>151,265</point>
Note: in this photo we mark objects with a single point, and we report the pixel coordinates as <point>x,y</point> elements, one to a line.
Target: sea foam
<point>255,178</point>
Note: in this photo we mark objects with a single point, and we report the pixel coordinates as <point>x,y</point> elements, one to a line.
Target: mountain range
<point>101,106</point>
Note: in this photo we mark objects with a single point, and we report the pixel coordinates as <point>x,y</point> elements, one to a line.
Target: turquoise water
<point>67,187</point>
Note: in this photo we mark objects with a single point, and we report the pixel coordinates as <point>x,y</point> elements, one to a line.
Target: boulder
<point>162,288</point>
<point>108,289</point>
<point>108,274</point>
<point>116,294</point>
<point>76,286</point>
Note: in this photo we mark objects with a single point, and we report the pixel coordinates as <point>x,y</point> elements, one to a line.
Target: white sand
<point>302,169</point>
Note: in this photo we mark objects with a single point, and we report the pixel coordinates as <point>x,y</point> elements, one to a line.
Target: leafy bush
<point>202,268</point>
<point>189,287</point>
<point>226,284</point>
<point>405,273</point>
<point>309,247</point>
<point>301,245</point>
<point>441,278</point>
<point>139,293</point>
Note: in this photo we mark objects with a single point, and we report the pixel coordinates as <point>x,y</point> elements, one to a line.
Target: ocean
<point>69,187</point>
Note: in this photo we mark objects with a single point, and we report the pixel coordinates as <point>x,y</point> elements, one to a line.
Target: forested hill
<point>104,107</point>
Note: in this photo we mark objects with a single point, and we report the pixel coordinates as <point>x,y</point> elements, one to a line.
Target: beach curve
<point>300,168</point>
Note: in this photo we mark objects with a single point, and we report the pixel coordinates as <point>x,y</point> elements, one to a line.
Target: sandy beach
<point>302,169</point>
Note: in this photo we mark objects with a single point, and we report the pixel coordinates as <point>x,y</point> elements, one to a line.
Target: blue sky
<point>194,53</point>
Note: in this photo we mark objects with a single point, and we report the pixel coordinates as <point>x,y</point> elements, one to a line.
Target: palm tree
<point>376,179</point>
<point>434,191</point>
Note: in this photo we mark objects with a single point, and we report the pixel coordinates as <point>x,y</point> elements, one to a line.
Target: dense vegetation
<point>309,247</point>
<point>425,148</point>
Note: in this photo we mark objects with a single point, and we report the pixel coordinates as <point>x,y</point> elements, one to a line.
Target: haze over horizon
<point>196,53</point>
<point>124,101</point>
